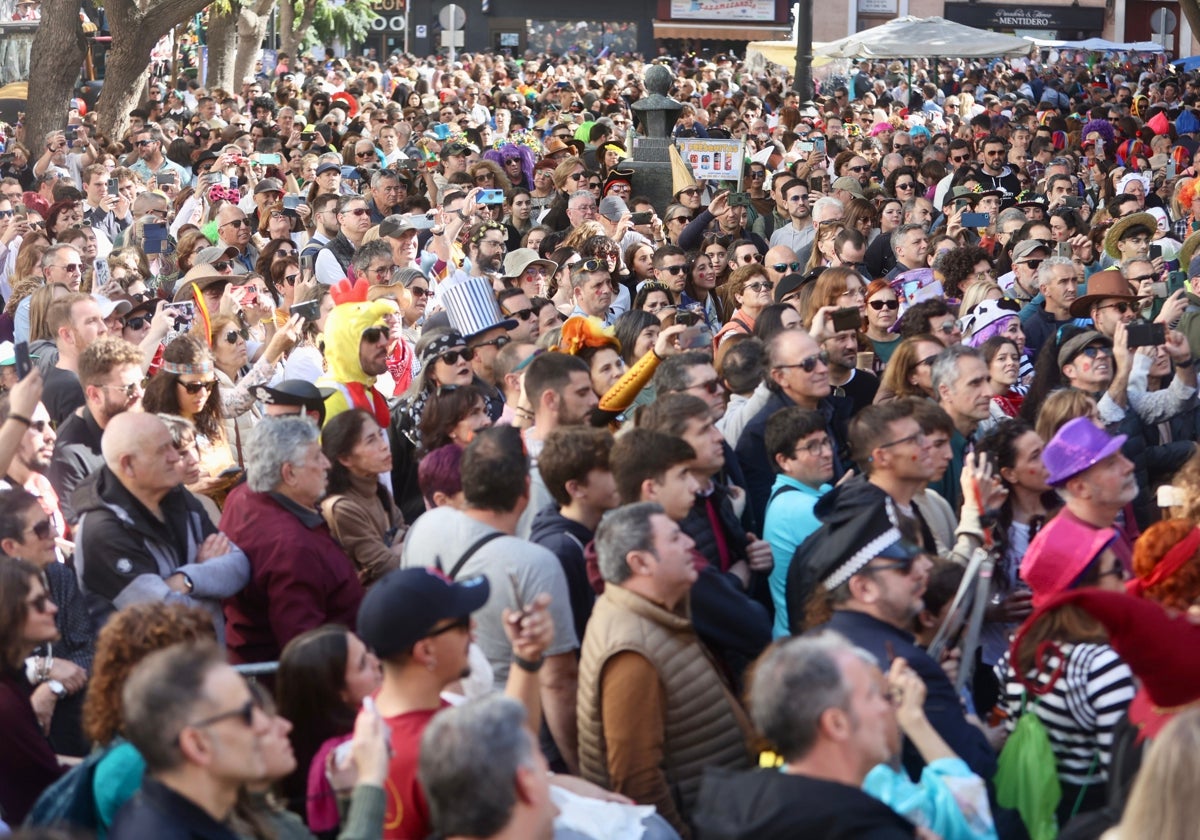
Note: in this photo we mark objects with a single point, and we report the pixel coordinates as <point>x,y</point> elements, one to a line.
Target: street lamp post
<point>802,82</point>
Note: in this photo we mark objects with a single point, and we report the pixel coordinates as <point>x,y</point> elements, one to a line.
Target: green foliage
<point>348,23</point>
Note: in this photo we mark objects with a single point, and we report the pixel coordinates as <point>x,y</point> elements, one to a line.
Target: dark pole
<point>802,83</point>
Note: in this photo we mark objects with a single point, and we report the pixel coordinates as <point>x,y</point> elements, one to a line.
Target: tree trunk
<point>134,33</point>
<point>222,48</point>
<point>292,31</point>
<point>58,50</point>
<point>1191,11</point>
<point>251,29</point>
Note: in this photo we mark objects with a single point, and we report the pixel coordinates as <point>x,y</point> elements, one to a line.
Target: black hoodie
<point>770,805</point>
<point>567,539</point>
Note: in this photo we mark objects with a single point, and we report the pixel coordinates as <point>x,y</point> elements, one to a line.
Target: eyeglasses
<point>749,258</point>
<point>72,268</point>
<point>194,388</point>
<point>858,168</point>
<point>1141,278</point>
<point>372,335</point>
<point>381,271</point>
<point>232,337</point>
<point>1093,352</point>
<point>757,175</point>
<point>782,267</point>
<point>520,314</point>
<point>237,223</point>
<point>959,159</point>
<point>244,713</point>
<point>291,279</point>
<point>918,438</point>
<point>463,623</point>
<point>814,447</point>
<point>674,270</point>
<point>40,602</point>
<point>453,357</point>
<point>690,191</point>
<point>1033,264</point>
<point>418,291</point>
<point>499,342</point>
<point>1121,306</point>
<point>135,323</point>
<point>131,390</point>
<point>484,176</point>
<point>901,566</point>
<point>928,360</point>
<point>592,265</point>
<point>810,364</point>
<point>759,286</point>
<point>907,185</point>
<point>364,154</point>
<point>710,386</point>
<point>880,305</point>
<point>43,530</point>
<point>681,218</point>
<point>578,176</point>
<point>143,143</point>
<point>358,211</point>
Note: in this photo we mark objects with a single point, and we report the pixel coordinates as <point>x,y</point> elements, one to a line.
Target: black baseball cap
<point>405,604</point>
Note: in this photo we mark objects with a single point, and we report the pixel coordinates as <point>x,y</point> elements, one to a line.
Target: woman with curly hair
<point>750,287</point>
<point>63,214</point>
<point>486,174</point>
<point>1166,564</point>
<point>128,637</point>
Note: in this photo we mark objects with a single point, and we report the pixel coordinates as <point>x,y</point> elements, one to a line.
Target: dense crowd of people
<point>380,459</point>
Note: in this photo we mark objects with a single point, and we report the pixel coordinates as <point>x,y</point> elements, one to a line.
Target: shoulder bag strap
<point>470,552</point>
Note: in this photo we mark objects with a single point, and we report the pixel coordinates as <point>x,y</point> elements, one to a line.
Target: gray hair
<point>825,204</point>
<point>160,697</point>
<point>1048,265</point>
<point>468,761</point>
<point>621,531</point>
<point>794,683</point>
<point>904,230</point>
<point>177,426</point>
<point>383,175</point>
<point>1012,214</point>
<point>945,366</point>
<point>581,194</point>
<point>1129,263</point>
<point>367,252</point>
<point>53,251</point>
<point>273,443</point>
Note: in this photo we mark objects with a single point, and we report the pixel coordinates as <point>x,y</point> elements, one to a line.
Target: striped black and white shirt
<point>1081,710</point>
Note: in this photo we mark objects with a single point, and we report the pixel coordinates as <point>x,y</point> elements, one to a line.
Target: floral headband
<point>182,369</point>
<point>218,193</point>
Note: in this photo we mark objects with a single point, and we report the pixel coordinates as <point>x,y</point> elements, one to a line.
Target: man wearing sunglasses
<point>354,220</point>
<point>799,230</point>
<point>194,720</point>
<point>233,231</point>
<point>141,536</point>
<point>869,571</point>
<point>31,462</point>
<point>731,212</point>
<point>798,374</point>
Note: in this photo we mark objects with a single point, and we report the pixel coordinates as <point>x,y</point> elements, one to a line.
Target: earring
<point>431,664</point>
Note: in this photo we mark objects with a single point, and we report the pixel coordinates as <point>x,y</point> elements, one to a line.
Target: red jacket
<point>299,577</point>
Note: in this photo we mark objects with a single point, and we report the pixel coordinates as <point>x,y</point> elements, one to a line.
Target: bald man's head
<point>140,452</point>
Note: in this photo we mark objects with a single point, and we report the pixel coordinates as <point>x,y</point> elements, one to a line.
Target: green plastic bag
<point>1027,777</point>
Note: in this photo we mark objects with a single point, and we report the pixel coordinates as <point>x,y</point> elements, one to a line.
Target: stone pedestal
<point>649,157</point>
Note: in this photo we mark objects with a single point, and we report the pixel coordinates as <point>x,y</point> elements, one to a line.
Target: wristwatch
<point>57,688</point>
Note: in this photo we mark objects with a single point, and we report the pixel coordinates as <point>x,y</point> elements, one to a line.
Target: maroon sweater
<point>299,576</point>
<point>27,763</point>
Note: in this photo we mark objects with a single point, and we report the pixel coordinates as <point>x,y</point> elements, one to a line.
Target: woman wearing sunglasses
<point>883,309</point>
<point>28,533</point>
<point>445,361</point>
<point>28,764</point>
<point>187,386</point>
<point>238,376</point>
<point>750,287</point>
<point>699,291</point>
<point>910,372</point>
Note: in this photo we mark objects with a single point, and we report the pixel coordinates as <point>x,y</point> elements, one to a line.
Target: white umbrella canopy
<point>932,37</point>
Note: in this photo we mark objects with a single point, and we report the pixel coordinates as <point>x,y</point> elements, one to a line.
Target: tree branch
<point>166,15</point>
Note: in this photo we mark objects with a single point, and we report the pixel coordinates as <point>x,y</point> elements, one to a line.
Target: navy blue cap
<point>405,604</point>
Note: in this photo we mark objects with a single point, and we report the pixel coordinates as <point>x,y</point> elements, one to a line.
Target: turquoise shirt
<point>789,521</point>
